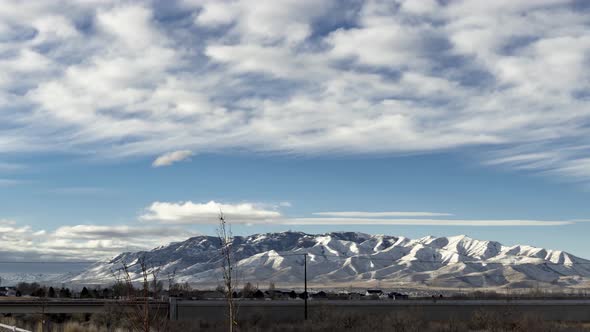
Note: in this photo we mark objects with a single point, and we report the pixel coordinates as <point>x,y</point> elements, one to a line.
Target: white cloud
<point>7,222</point>
<point>362,214</point>
<point>170,158</point>
<point>207,213</point>
<point>303,77</point>
<point>82,242</point>
<point>110,232</point>
<point>53,28</point>
<point>264,21</point>
<point>215,13</point>
<point>424,222</point>
<point>94,242</point>
<point>248,213</point>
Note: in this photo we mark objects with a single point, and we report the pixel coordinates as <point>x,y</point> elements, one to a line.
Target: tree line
<point>118,290</point>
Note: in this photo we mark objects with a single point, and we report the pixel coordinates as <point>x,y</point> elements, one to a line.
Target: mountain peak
<point>354,257</point>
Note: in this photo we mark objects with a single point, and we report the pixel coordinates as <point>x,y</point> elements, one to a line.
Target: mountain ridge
<point>357,258</point>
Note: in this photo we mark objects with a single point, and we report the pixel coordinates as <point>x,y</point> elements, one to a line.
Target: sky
<point>125,125</point>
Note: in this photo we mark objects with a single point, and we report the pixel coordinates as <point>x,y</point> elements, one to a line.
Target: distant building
<point>338,296</point>
<point>258,294</point>
<point>397,296</point>
<point>7,291</point>
<point>374,292</point>
<point>320,295</point>
<point>209,295</point>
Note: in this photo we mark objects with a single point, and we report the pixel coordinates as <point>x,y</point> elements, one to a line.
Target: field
<point>410,315</point>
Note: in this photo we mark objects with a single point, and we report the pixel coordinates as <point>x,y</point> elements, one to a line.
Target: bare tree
<point>272,290</point>
<point>43,321</point>
<point>140,317</point>
<point>172,285</point>
<point>228,269</point>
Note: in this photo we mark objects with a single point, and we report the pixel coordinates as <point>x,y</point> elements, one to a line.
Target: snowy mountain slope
<point>13,278</point>
<point>349,257</point>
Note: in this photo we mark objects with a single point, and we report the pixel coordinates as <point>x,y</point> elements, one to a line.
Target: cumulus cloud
<point>304,77</point>
<point>170,158</point>
<point>207,213</point>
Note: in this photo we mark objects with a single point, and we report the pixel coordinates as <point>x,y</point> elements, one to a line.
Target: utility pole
<point>305,285</point>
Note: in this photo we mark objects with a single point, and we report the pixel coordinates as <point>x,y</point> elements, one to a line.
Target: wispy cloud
<point>567,162</point>
<point>9,167</point>
<point>363,214</point>
<point>170,158</point>
<point>250,214</point>
<point>6,222</point>
<point>10,182</point>
<point>79,190</point>
<point>278,77</point>
<point>93,242</point>
<point>423,222</point>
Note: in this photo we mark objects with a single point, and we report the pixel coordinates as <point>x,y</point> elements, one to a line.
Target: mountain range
<point>342,259</point>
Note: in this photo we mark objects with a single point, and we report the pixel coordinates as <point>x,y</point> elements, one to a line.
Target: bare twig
<point>141,318</point>
<point>228,270</point>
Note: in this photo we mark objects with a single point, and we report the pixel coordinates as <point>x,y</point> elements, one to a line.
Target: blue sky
<point>126,125</point>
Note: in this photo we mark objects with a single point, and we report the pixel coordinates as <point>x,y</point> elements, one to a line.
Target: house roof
<point>374,291</point>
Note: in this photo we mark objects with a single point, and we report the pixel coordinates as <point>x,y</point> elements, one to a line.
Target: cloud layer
<point>249,213</point>
<point>306,77</point>
<point>164,222</point>
<point>81,242</point>
<point>364,214</point>
<point>424,222</point>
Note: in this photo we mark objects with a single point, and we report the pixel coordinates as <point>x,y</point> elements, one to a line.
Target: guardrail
<point>12,328</point>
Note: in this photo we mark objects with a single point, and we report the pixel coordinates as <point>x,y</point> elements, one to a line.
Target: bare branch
<point>228,270</point>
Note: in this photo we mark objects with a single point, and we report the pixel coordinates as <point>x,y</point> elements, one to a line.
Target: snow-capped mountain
<point>12,279</point>
<point>349,258</point>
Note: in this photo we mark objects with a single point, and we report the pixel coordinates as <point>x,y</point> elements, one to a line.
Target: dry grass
<point>324,320</point>
<point>403,322</point>
<point>77,327</point>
